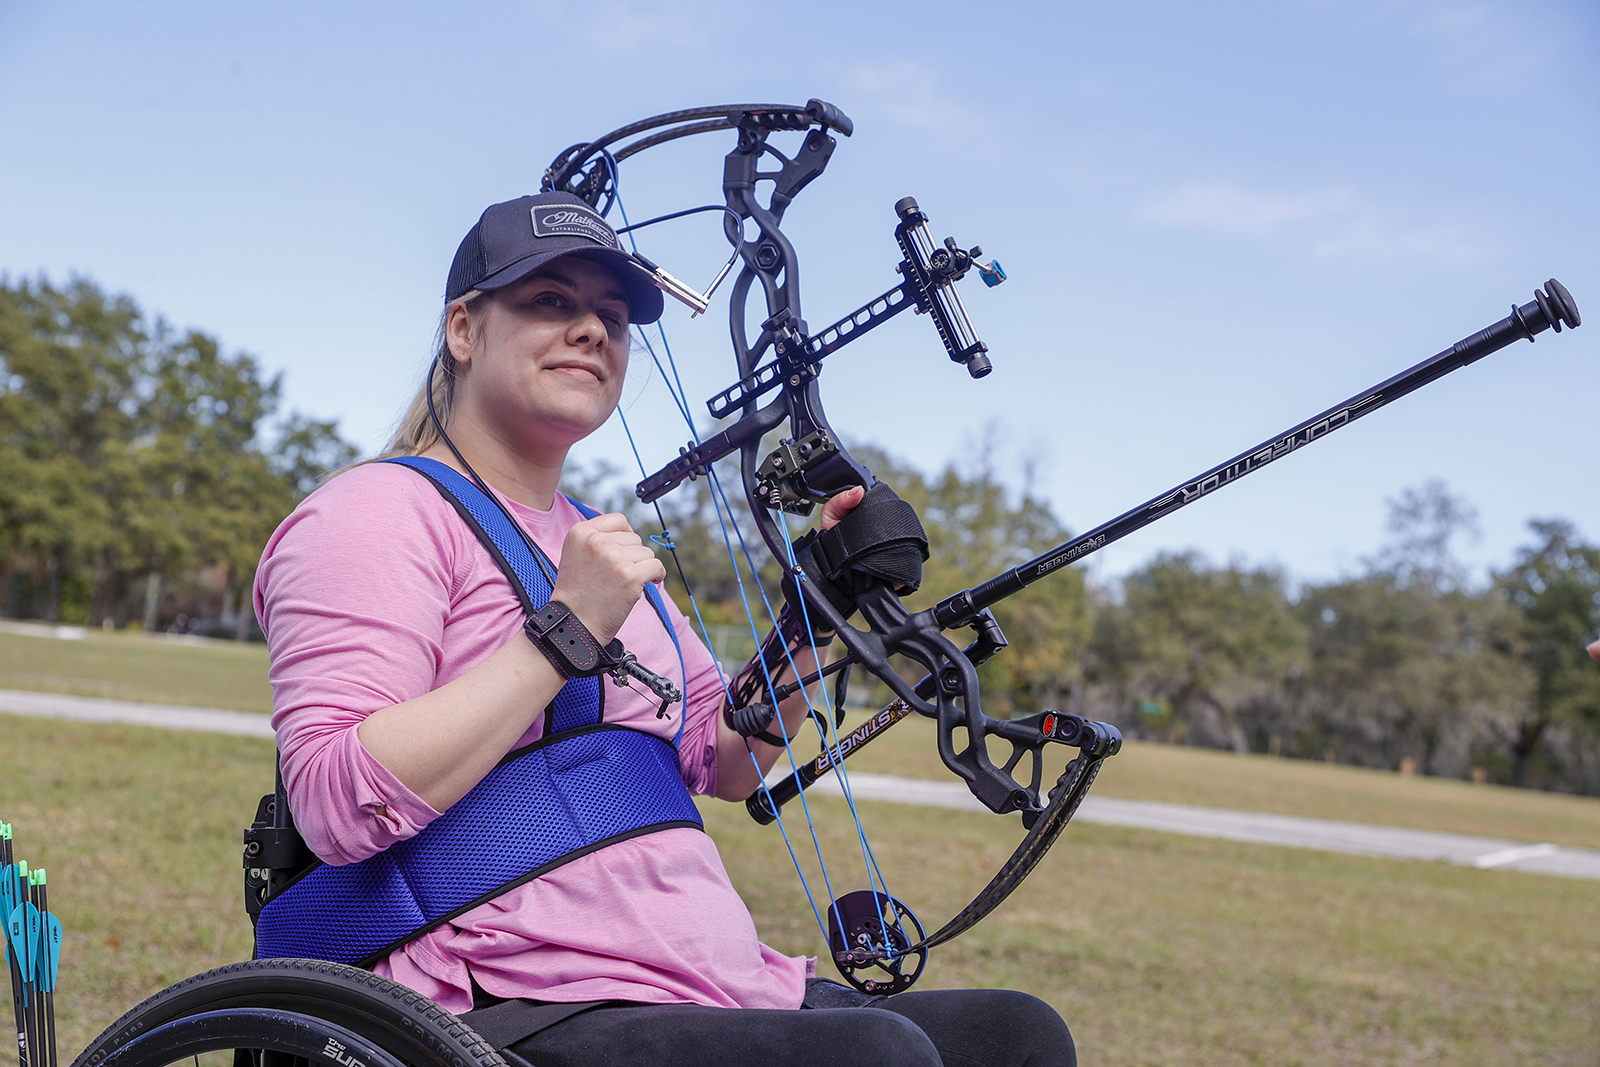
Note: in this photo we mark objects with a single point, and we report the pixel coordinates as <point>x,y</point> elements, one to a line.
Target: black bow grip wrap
<point>879,541</point>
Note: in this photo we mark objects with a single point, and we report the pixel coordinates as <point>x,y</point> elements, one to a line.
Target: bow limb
<point>867,929</point>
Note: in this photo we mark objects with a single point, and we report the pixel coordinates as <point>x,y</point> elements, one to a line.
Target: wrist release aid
<point>568,644</point>
<point>577,653</point>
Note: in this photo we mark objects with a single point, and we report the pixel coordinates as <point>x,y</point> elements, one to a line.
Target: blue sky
<point>1218,220</point>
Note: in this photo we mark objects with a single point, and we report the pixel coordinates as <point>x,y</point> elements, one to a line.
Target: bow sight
<point>868,931</point>
<point>808,466</point>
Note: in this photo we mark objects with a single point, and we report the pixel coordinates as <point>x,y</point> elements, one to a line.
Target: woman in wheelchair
<point>504,828</point>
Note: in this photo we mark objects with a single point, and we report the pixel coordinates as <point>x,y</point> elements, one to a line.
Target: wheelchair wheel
<point>285,1033</point>
<point>400,1024</point>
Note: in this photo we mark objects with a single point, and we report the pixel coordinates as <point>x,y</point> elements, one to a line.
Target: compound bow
<point>875,941</point>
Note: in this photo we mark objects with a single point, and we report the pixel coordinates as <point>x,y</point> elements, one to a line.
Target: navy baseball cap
<point>516,238</point>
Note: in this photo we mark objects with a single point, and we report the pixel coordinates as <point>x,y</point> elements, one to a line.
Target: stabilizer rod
<point>1549,308</point>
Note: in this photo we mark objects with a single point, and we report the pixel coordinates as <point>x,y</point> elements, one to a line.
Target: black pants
<point>937,1028</point>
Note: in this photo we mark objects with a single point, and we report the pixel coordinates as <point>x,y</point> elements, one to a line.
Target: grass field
<point>134,666</point>
<point>224,674</point>
<point>1157,949</point>
<point>1214,779</point>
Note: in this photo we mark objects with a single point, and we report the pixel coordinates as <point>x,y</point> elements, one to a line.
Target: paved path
<point>1391,842</point>
<point>1287,830</point>
<point>170,716</point>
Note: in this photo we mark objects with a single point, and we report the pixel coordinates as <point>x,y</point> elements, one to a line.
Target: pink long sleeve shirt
<point>373,592</point>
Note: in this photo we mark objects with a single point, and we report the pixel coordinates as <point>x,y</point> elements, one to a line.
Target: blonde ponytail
<point>416,432</point>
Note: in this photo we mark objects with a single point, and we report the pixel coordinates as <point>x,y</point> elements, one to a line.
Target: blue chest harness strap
<point>584,785</point>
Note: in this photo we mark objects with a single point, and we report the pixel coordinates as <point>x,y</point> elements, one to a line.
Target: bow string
<point>874,939</point>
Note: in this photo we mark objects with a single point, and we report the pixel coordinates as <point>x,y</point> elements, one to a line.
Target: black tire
<point>286,1032</point>
<point>403,1023</point>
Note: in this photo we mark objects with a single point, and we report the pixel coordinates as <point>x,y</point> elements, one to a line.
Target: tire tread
<point>428,1035</point>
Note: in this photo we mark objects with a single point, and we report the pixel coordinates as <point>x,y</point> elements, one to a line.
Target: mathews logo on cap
<point>552,220</point>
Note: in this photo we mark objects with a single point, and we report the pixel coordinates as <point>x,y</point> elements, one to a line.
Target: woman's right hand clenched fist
<point>604,569</point>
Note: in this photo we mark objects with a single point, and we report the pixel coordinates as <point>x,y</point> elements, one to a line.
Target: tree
<point>1423,525</point>
<point>1404,661</point>
<point>307,450</point>
<point>1555,586</point>
<point>978,527</point>
<point>130,452</point>
<point>69,398</point>
<point>1195,643</point>
<point>1400,670</point>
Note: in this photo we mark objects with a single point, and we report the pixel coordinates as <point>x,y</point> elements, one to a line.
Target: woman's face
<point>546,358</point>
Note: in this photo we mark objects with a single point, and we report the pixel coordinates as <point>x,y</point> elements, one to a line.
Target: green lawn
<point>134,666</point>
<point>1144,771</point>
<point>1157,949</point>
<point>140,832</point>
<point>229,675</point>
<point>1160,949</point>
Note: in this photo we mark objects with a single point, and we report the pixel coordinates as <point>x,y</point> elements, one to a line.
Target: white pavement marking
<point>1514,855</point>
<point>1392,842</point>
<point>1484,853</point>
<point>168,716</point>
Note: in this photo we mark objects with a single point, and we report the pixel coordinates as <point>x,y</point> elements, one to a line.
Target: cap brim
<point>645,302</point>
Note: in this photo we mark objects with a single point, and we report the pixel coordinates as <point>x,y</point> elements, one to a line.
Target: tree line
<point>1410,664</point>
<point>142,469</point>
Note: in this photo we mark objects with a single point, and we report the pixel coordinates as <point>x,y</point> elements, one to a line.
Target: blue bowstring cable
<point>678,399</point>
<point>679,394</point>
<point>874,875</point>
<point>675,388</point>
<point>706,636</point>
<point>722,507</point>
<point>766,673</point>
<point>875,881</point>
<point>666,542</point>
<point>832,728</point>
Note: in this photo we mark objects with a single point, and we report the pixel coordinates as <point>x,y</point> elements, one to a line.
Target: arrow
<point>48,963</point>
<point>10,890</point>
<point>22,931</point>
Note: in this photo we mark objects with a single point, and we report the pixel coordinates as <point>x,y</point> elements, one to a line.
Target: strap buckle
<point>576,653</point>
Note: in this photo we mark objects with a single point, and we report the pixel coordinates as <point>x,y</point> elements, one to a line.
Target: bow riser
<point>811,465</point>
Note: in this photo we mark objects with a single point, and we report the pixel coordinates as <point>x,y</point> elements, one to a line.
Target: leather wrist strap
<point>568,644</point>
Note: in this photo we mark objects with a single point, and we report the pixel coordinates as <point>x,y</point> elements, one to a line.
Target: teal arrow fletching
<point>22,930</point>
<point>49,953</point>
<point>8,889</point>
